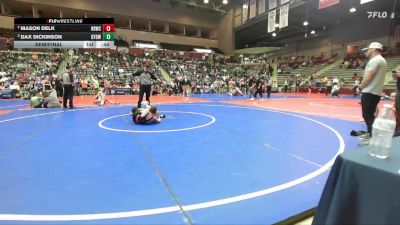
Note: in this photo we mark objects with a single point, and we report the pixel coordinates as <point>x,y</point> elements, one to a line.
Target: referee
<point>68,81</point>
<point>145,77</point>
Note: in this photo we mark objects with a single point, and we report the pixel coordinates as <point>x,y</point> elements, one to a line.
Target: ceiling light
<point>353,10</point>
<point>201,50</point>
<point>225,2</point>
<point>277,25</point>
<point>365,1</point>
<point>312,32</point>
<point>144,45</point>
<point>205,1</point>
<point>274,34</point>
<point>305,23</point>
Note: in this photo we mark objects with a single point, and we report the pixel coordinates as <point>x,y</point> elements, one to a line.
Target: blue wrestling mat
<point>206,163</point>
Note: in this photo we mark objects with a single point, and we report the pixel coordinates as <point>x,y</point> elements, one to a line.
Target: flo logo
<point>377,15</point>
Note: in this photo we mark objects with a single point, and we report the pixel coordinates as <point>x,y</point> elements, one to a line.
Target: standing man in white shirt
<point>373,82</point>
<point>396,76</point>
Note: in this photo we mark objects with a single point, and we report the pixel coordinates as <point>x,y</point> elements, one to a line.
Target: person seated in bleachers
<point>34,56</point>
<point>361,65</point>
<point>39,85</point>
<point>342,82</point>
<point>346,64</point>
<point>46,84</point>
<point>84,86</point>
<point>14,86</point>
<point>89,86</point>
<point>25,94</point>
<point>355,64</point>
<point>355,77</point>
<point>155,90</point>
<point>2,86</point>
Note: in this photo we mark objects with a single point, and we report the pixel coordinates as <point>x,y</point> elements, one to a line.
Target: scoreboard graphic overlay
<point>64,33</point>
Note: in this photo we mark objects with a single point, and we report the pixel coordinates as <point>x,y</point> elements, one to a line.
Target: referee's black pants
<point>269,89</point>
<point>258,91</point>
<point>369,102</point>
<point>328,90</point>
<point>68,96</point>
<point>142,90</point>
<point>60,91</point>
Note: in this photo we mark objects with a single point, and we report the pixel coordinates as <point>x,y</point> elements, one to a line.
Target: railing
<point>164,74</point>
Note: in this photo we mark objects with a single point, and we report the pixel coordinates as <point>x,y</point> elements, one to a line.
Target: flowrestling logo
<point>379,15</point>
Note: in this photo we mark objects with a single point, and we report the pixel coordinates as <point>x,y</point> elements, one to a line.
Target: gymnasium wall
<point>162,11</point>
<point>7,22</point>
<point>351,32</point>
<point>130,35</point>
<point>306,47</point>
<point>225,34</point>
<point>359,29</point>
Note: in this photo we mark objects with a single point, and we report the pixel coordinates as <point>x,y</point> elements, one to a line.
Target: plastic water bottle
<point>382,133</point>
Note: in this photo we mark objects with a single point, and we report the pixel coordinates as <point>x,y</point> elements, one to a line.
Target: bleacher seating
<point>304,72</point>
<point>337,70</point>
<point>347,74</point>
<point>6,33</point>
<point>209,73</point>
<point>116,68</point>
<point>393,63</point>
<point>28,65</point>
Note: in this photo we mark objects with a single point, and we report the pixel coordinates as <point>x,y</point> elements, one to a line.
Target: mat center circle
<point>175,121</point>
